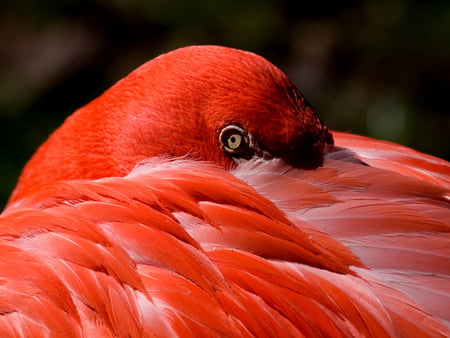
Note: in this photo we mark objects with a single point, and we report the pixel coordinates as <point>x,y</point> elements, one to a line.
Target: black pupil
<point>233,139</point>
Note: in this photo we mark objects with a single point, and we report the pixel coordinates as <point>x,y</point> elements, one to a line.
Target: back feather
<point>182,248</point>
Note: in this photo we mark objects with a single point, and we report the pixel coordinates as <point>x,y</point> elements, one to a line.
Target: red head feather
<point>177,105</point>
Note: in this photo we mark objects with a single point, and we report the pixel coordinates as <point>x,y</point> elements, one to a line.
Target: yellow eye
<point>235,140</point>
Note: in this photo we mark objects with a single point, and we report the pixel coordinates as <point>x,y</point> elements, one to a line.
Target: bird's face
<point>224,105</point>
<point>209,103</point>
<point>275,122</point>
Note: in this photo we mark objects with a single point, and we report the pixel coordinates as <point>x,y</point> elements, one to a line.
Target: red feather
<point>175,248</point>
<point>179,247</point>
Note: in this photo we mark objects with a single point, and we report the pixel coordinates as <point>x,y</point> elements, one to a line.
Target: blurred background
<point>379,68</point>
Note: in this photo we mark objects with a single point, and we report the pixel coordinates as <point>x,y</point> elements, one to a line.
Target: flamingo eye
<point>234,140</point>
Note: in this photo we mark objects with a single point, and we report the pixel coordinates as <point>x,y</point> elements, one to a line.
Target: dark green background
<point>379,68</point>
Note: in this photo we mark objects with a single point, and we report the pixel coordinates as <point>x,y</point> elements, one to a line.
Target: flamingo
<point>202,196</point>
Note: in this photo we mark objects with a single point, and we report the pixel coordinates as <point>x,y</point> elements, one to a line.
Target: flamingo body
<point>172,249</point>
<point>215,246</point>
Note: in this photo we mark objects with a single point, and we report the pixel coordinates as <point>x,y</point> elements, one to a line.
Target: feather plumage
<point>179,247</point>
<point>160,251</point>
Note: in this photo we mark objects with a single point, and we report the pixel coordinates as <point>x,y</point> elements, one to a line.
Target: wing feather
<point>185,248</point>
<point>396,158</point>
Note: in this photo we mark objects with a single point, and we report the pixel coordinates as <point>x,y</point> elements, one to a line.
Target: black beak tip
<point>308,157</point>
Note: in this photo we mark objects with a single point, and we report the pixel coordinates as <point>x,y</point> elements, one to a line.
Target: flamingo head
<point>208,103</point>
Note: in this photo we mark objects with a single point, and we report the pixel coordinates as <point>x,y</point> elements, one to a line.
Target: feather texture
<point>390,156</point>
<point>218,230</point>
<point>162,252</point>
